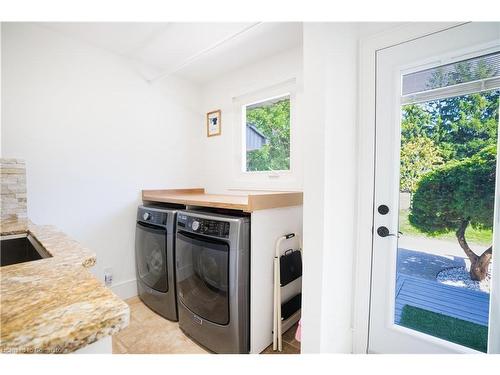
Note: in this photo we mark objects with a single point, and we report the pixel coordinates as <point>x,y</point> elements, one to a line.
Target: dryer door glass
<point>151,256</point>
<point>203,276</point>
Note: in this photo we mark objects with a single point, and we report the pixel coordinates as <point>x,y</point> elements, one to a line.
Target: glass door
<point>203,276</point>
<point>435,189</point>
<point>151,255</point>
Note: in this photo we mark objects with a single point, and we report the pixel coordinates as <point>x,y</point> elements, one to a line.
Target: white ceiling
<point>260,42</point>
<point>196,51</point>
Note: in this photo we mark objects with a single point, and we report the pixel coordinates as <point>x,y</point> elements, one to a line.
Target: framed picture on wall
<point>213,123</point>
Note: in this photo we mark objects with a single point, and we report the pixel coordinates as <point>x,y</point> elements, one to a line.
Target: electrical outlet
<point>108,276</point>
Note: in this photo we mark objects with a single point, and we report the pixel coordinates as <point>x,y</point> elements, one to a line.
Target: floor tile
<point>150,333</point>
<point>286,349</point>
<point>289,337</point>
<point>118,347</point>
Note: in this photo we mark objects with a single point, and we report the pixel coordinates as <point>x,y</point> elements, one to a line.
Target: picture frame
<point>214,123</point>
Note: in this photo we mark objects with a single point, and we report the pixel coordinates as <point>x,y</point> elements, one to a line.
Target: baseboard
<point>125,289</point>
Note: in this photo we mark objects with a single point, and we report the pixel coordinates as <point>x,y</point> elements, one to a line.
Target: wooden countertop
<point>248,202</point>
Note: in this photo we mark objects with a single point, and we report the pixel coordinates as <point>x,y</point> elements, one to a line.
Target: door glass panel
<point>151,257</point>
<point>203,276</point>
<point>447,192</point>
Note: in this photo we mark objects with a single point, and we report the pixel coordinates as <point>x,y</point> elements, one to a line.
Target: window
<point>267,135</point>
<point>448,163</point>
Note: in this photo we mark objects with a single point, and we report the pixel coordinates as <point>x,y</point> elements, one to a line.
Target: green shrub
<point>455,192</point>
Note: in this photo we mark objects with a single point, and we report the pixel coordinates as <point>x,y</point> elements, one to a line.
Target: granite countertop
<point>54,305</point>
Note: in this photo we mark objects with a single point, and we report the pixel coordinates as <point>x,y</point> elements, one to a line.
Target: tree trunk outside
<point>478,264</point>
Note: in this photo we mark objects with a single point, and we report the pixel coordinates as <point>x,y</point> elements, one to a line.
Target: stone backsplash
<point>13,189</point>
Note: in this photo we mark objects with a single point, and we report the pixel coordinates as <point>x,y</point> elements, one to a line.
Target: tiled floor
<point>289,346</point>
<point>148,332</point>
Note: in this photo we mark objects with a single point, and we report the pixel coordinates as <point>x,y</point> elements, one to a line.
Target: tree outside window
<point>267,126</point>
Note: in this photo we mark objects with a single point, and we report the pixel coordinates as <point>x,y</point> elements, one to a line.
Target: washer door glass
<point>203,276</point>
<point>151,256</point>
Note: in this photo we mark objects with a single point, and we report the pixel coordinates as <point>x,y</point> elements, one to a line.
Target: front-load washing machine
<point>213,279</point>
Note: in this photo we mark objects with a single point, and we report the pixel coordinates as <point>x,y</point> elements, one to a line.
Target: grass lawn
<point>459,331</point>
<point>478,236</point>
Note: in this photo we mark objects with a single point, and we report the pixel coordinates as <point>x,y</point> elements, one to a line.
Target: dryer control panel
<point>199,225</point>
<point>152,216</point>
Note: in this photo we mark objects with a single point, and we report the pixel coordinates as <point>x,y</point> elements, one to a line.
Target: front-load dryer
<point>155,257</point>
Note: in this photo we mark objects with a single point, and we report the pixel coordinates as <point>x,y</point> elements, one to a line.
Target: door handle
<point>384,232</point>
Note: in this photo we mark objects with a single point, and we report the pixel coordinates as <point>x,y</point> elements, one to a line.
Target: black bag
<point>290,266</point>
<point>291,306</point>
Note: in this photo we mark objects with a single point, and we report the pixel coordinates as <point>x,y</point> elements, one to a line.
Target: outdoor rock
<point>460,277</point>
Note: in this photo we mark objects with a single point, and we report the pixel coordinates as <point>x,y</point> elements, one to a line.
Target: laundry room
<point>191,238</point>
<point>253,187</point>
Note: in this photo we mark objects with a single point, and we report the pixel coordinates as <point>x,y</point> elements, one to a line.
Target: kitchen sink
<point>20,249</point>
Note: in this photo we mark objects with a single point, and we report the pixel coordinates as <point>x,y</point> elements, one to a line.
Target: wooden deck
<point>461,303</point>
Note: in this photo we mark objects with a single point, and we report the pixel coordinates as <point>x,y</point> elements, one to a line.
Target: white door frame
<point>366,163</point>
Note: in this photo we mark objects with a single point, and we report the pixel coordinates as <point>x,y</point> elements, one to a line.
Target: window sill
<point>270,174</point>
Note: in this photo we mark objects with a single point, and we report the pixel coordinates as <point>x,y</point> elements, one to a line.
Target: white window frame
<point>265,180</point>
<point>244,142</point>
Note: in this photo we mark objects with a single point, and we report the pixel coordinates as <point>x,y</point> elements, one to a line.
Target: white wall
<point>93,134</point>
<point>218,158</point>
<point>330,76</point>
<point>330,181</point>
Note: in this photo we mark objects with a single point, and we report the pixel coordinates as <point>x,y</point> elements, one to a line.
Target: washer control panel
<point>215,228</point>
<point>151,216</point>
